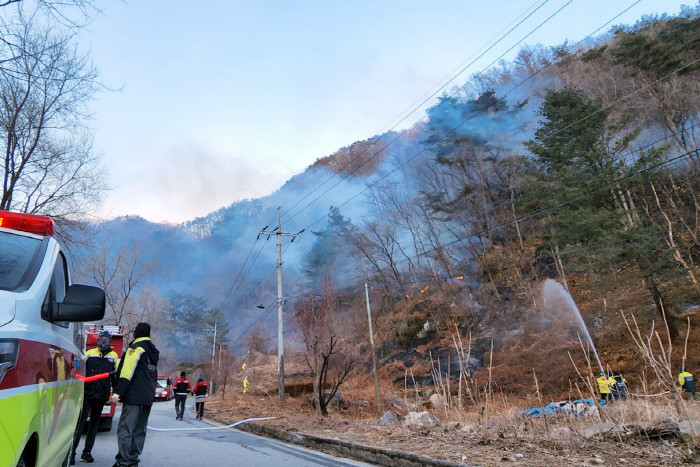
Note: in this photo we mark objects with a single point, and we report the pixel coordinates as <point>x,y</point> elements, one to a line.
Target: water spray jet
<point>553,288</point>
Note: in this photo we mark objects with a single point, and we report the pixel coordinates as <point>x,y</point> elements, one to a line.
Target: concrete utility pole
<point>213,346</point>
<point>374,353</point>
<point>280,327</point>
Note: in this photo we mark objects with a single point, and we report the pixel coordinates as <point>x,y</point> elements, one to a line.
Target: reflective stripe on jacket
<point>200,390</point>
<point>182,386</point>
<point>96,363</point>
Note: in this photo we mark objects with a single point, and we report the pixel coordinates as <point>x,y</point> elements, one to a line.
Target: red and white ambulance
<point>40,344</point>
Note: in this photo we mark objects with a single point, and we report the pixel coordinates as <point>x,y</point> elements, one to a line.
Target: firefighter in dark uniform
<point>136,384</point>
<point>181,388</point>
<point>620,385</point>
<point>685,379</point>
<point>101,359</point>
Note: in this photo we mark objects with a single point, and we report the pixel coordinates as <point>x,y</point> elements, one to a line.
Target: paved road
<point>214,448</point>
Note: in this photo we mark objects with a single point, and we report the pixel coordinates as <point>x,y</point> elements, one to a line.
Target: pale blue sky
<point>223,100</point>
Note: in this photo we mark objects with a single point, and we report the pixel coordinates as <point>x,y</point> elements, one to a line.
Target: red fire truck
<point>117,344</point>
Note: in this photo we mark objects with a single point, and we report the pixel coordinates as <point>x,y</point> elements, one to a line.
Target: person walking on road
<point>200,393</point>
<point>136,387</point>
<point>101,359</point>
<point>685,379</point>
<point>182,388</point>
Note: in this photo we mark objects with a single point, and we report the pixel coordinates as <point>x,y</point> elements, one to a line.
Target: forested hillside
<point>577,163</point>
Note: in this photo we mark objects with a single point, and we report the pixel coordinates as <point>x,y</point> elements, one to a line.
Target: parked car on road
<point>164,388</point>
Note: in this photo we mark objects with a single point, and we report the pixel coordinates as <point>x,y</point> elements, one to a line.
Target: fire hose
<point>87,379</point>
<point>650,395</point>
<point>211,427</point>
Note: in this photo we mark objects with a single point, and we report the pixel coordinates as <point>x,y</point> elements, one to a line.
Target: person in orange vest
<point>685,379</point>
<point>604,387</point>
<point>200,394</point>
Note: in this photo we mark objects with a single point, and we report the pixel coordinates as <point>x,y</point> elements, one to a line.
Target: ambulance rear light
<point>8,355</point>
<point>41,225</point>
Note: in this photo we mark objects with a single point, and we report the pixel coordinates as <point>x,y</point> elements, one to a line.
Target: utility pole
<point>280,327</point>
<point>213,346</point>
<point>374,353</point>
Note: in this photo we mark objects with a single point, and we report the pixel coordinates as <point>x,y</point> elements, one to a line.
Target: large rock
<point>690,429</point>
<point>438,400</point>
<point>420,420</point>
<point>597,430</point>
<point>389,418</point>
<point>564,433</point>
<point>470,429</point>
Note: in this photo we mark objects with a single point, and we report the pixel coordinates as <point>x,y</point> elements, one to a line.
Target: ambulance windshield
<point>17,254</point>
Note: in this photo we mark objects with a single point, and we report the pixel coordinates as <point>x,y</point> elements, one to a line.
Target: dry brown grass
<point>467,439</point>
<point>464,435</point>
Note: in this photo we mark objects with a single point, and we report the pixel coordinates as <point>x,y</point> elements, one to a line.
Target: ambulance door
<point>65,401</point>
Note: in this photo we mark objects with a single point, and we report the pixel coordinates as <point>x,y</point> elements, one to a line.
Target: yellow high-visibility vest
<point>682,375</point>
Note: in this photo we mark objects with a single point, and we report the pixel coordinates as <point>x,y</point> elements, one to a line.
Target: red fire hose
<point>87,379</point>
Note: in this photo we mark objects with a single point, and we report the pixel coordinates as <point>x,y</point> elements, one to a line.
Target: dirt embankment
<point>505,437</point>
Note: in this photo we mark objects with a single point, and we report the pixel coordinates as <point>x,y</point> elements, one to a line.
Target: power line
<point>577,197</point>
<point>249,268</point>
<point>416,108</point>
<point>565,253</point>
<point>226,297</point>
<point>463,69</point>
<point>614,103</point>
<point>454,129</point>
<point>673,160</point>
<point>347,175</point>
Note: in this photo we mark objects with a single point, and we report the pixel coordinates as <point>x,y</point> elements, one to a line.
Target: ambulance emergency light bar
<point>41,225</point>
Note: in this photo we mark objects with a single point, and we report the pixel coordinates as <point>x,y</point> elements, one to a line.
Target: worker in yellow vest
<point>685,379</point>
<point>245,385</point>
<point>612,384</point>
<point>603,387</point>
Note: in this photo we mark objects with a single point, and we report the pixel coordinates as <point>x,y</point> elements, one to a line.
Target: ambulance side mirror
<point>82,303</point>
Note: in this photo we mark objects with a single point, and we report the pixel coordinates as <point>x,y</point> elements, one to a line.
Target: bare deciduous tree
<point>48,164</point>
<point>70,13</point>
<point>225,366</point>
<point>256,341</point>
<point>314,318</point>
<point>118,274</point>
